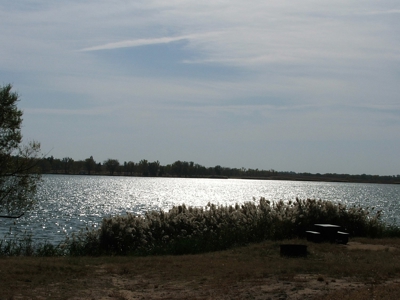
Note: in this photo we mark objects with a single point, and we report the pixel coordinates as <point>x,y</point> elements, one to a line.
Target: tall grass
<point>216,227</point>
<point>24,245</point>
<point>189,230</point>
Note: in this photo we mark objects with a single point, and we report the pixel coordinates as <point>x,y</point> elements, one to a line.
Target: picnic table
<point>327,232</point>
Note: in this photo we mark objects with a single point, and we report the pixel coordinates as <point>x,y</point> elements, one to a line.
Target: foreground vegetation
<point>191,230</point>
<point>242,259</point>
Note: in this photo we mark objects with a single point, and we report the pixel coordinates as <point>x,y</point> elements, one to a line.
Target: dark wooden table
<point>327,232</point>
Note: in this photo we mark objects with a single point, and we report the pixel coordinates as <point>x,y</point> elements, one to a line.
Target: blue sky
<point>310,86</point>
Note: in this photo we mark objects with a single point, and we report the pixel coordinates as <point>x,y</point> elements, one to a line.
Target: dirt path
<point>302,286</point>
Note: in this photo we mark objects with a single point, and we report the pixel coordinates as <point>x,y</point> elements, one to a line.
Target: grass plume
<point>190,230</point>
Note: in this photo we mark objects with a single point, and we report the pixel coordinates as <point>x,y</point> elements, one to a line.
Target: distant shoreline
<point>277,177</point>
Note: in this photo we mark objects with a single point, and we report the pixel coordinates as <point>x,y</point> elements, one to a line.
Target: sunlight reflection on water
<point>68,204</point>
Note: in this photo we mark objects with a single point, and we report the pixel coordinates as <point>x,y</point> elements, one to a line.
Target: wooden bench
<point>293,250</point>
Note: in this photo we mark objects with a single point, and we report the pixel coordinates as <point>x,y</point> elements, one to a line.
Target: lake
<point>67,204</point>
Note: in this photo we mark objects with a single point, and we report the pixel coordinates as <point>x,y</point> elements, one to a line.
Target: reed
<point>25,245</point>
<point>189,230</point>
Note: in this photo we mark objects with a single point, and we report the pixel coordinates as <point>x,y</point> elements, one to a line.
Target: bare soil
<point>362,269</point>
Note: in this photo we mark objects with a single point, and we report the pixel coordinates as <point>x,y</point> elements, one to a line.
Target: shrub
<point>215,227</point>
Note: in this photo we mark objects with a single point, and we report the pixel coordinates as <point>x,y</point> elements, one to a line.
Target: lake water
<point>67,204</point>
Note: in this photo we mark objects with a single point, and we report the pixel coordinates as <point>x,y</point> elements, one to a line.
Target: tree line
<point>145,168</point>
<point>21,165</point>
<point>89,166</point>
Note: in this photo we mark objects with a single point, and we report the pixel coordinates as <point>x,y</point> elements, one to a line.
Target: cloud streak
<point>135,43</point>
<point>146,42</point>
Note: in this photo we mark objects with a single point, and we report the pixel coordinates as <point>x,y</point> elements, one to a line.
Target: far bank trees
<point>111,165</point>
<point>90,165</point>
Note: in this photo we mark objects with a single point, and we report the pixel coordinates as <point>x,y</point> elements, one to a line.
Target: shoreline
<point>271,178</point>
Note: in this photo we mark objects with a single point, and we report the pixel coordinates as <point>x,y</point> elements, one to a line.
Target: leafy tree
<point>130,168</point>
<point>99,168</point>
<point>45,166</point>
<point>143,167</point>
<point>78,167</point>
<point>57,165</point>
<point>185,168</point>
<point>154,168</point>
<point>218,170</point>
<point>67,164</point>
<point>19,174</point>
<point>111,165</point>
<point>90,164</point>
<point>176,168</point>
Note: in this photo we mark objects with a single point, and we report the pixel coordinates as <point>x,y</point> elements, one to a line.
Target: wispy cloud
<point>145,42</point>
<point>135,43</point>
<point>381,12</point>
<point>56,111</point>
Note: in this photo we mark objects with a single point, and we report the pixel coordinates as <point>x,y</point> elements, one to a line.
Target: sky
<point>303,86</point>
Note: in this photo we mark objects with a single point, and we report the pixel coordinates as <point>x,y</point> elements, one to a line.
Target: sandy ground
<point>105,285</point>
<point>303,286</point>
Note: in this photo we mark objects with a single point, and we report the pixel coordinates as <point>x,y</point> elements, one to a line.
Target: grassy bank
<point>255,271</point>
<point>225,252</point>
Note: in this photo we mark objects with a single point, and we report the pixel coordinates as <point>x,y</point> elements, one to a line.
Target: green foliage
<point>18,173</point>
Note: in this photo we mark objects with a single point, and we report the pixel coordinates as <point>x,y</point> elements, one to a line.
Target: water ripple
<point>67,204</point>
